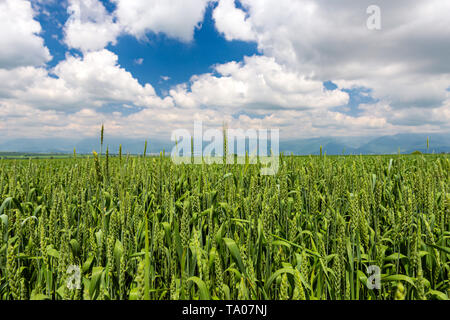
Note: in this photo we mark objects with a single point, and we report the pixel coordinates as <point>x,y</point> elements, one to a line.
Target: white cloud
<point>90,82</point>
<point>232,22</point>
<point>89,27</point>
<point>276,98</point>
<point>258,84</point>
<point>405,63</point>
<point>20,44</point>
<point>412,117</point>
<point>175,18</point>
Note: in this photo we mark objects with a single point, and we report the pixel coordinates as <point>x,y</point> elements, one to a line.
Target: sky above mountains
<point>148,67</point>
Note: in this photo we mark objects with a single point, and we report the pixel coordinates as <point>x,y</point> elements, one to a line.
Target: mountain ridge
<point>388,144</point>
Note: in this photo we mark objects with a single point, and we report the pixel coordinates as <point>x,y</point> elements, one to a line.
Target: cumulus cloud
<point>231,22</point>
<point>89,27</point>
<point>175,18</point>
<point>92,81</point>
<point>405,63</point>
<point>411,118</point>
<point>20,43</point>
<point>259,83</point>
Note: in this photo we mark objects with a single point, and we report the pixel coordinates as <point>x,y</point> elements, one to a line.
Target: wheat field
<point>123,227</point>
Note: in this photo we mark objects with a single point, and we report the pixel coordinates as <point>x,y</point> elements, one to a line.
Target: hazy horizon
<point>438,143</point>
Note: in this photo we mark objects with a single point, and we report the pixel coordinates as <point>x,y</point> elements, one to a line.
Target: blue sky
<point>161,56</point>
<point>166,62</point>
<point>165,57</point>
<point>146,68</point>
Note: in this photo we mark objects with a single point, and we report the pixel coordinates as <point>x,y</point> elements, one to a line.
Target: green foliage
<point>144,228</point>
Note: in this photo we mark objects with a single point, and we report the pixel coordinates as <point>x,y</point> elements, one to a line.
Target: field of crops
<point>144,228</point>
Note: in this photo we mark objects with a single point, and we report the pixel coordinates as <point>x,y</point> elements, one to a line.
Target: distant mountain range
<point>407,143</point>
